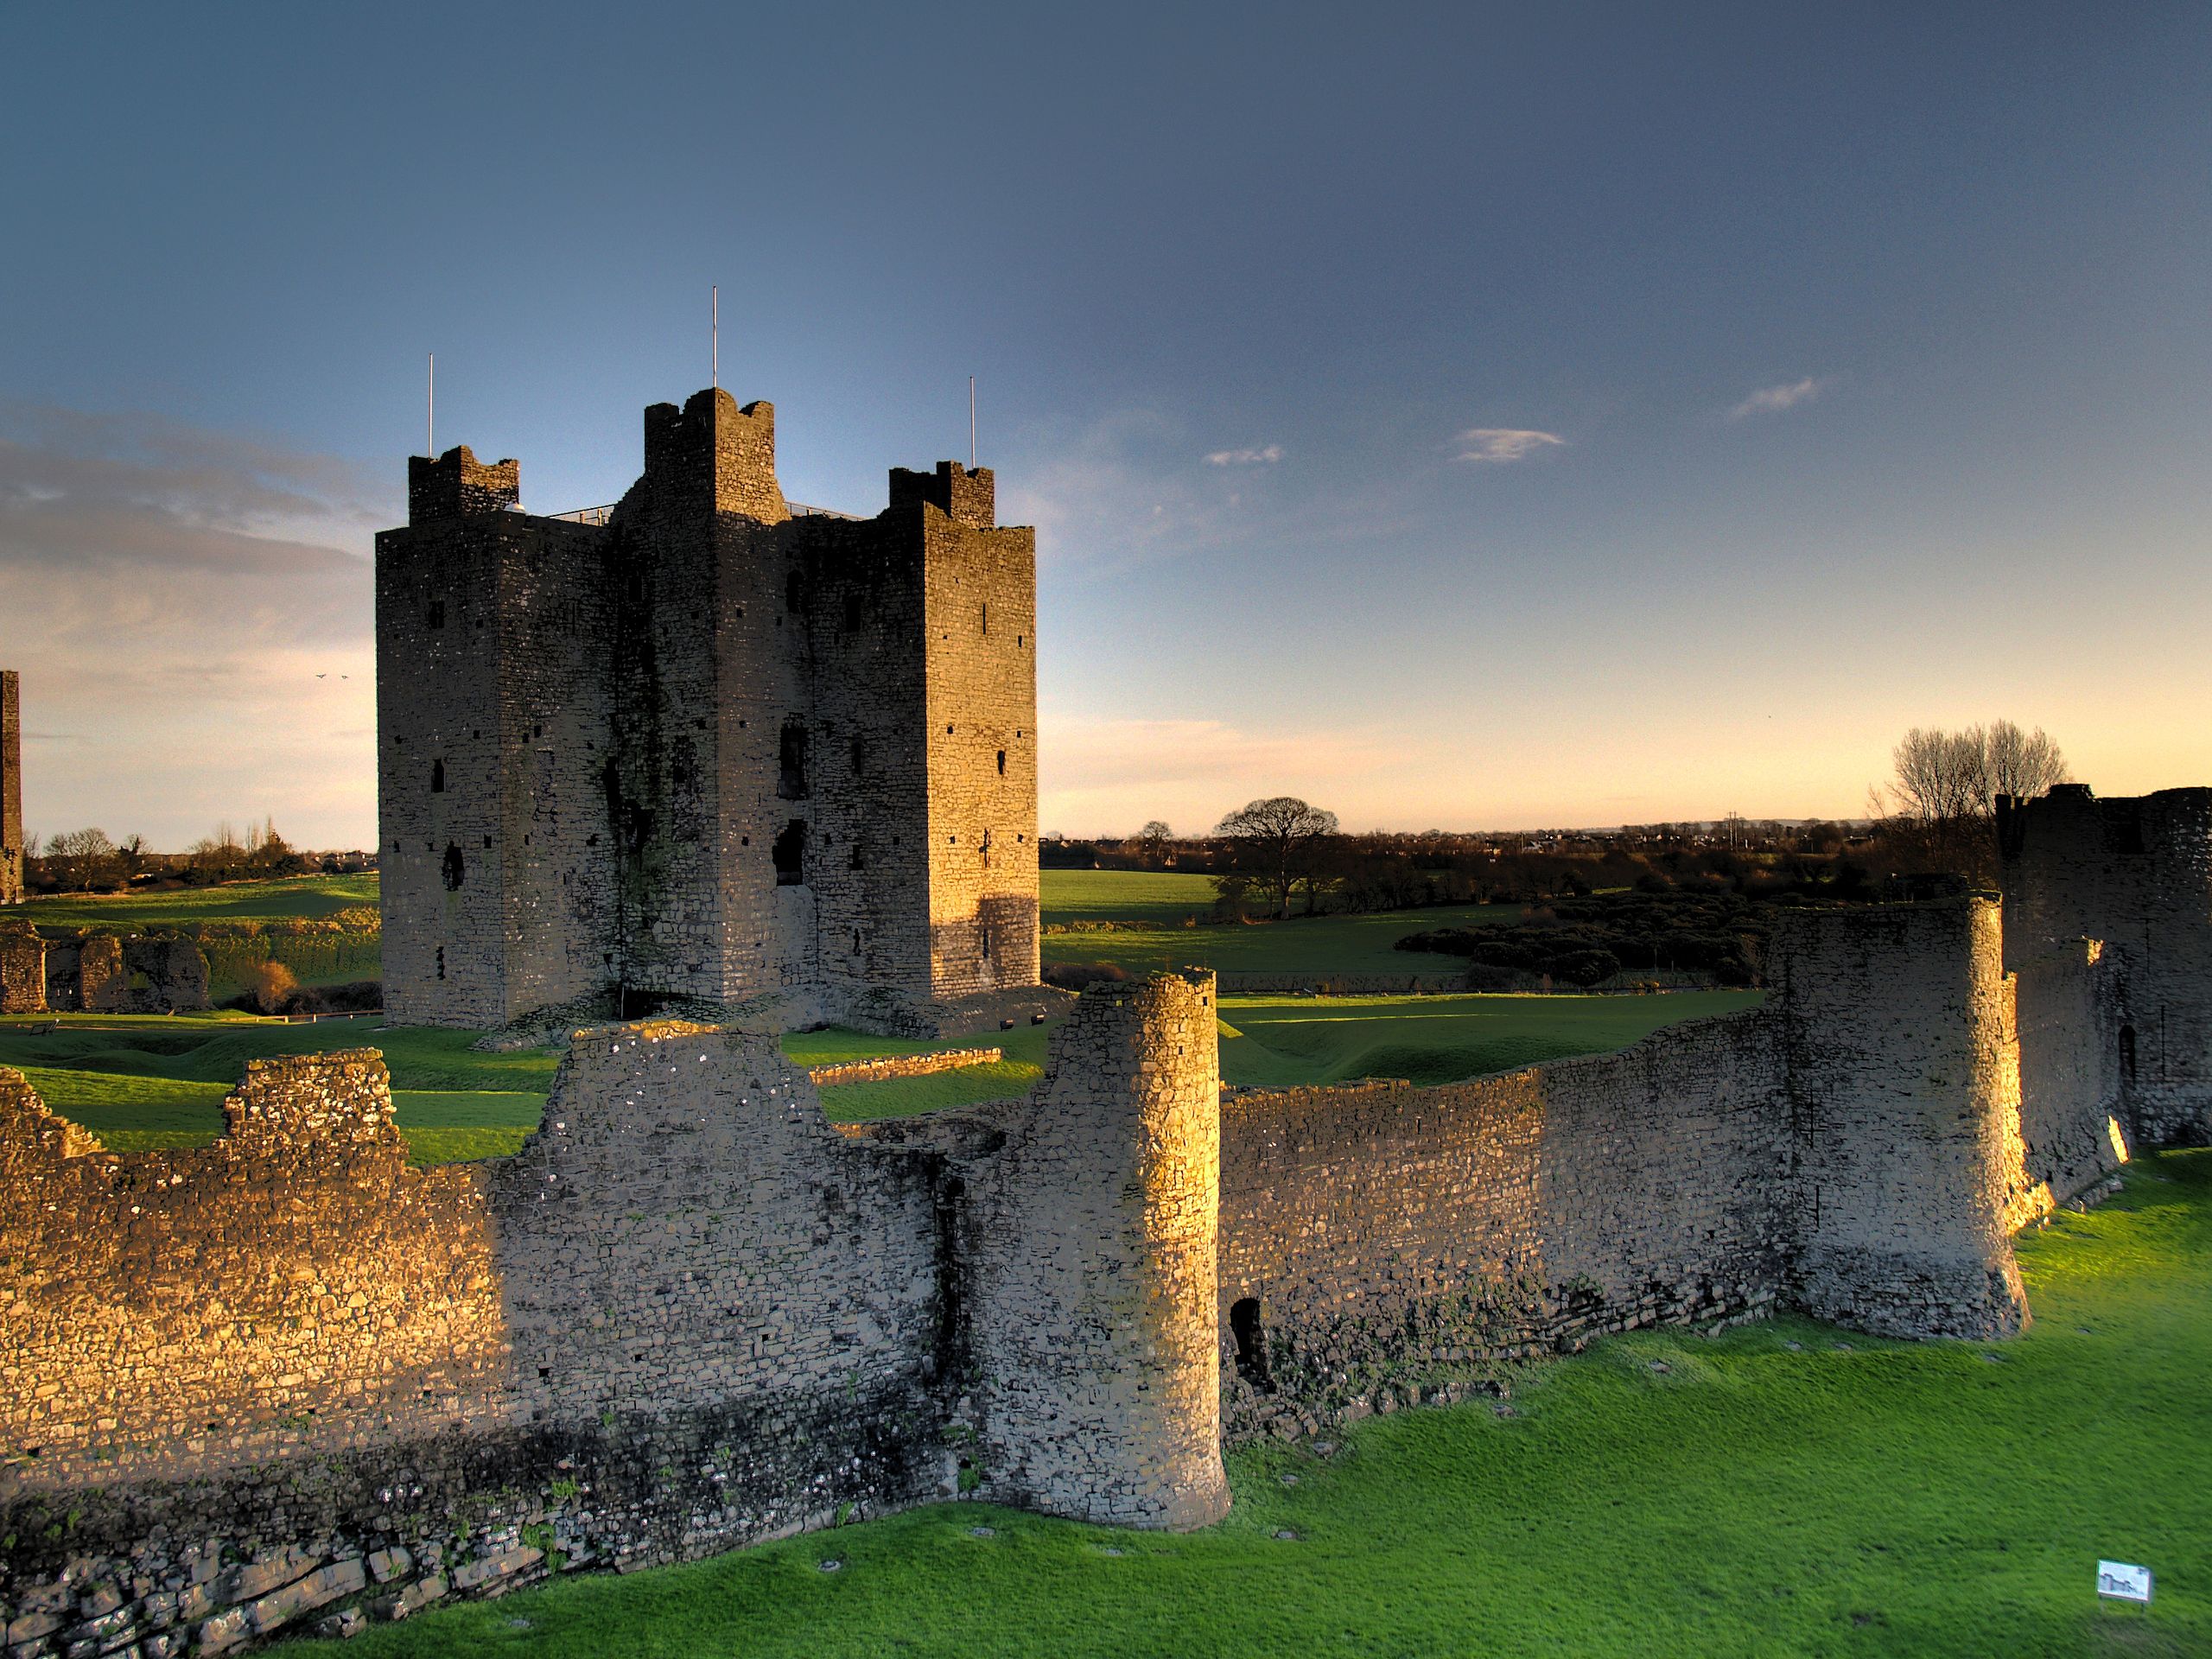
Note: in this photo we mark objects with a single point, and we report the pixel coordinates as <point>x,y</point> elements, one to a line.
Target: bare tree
<point>2023,764</point>
<point>1283,833</point>
<point>83,861</point>
<point>1152,839</point>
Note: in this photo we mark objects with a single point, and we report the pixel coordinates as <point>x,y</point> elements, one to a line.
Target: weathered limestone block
<point>22,970</point>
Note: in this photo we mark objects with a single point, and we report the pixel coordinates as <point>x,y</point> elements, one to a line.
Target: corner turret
<point>967,495</point>
<point>715,455</point>
<point>456,484</point>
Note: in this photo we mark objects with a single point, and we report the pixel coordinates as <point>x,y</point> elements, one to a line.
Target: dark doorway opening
<point>1251,1344</point>
<point>790,854</point>
<point>437,777</point>
<point>452,868</point>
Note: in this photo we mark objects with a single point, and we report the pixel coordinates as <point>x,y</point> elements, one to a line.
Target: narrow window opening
<point>986,616</point>
<point>441,962</point>
<point>858,860</point>
<point>2128,1056</point>
<point>790,854</point>
<point>437,777</point>
<point>1251,1344</point>
<point>437,618</point>
<point>852,613</point>
<point>790,782</point>
<point>987,941</point>
<point>860,756</point>
<point>1001,763</point>
<point>451,867</point>
<point>856,941</point>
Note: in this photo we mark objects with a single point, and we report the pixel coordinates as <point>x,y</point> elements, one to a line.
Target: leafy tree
<point>1282,836</point>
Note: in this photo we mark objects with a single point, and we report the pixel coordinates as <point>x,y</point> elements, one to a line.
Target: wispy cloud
<point>1116,494</point>
<point>195,610</point>
<point>1772,400</point>
<point>1504,442</point>
<point>1266,457</point>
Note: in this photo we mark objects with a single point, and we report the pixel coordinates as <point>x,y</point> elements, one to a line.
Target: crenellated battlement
<point>456,484</point>
<point>967,495</point>
<point>713,453</point>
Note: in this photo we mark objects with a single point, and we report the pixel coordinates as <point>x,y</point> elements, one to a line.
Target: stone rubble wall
<point>99,973</point>
<point>903,1065</point>
<point>11,789</point>
<point>2135,873</point>
<point>290,1381</point>
<point>1091,1226</point>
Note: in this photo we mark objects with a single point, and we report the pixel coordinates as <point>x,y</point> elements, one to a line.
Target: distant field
<point>304,896</point>
<point>154,1081</point>
<point>1148,909</point>
<point>1286,1040</point>
<point>1157,904</point>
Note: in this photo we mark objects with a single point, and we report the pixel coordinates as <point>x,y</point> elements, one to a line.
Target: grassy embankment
<point>323,927</point>
<point>1781,1488</point>
<point>141,1083</point>
<point>1148,912</point>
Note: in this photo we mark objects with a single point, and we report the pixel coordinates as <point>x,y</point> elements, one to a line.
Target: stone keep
<point>2136,873</point>
<point>704,744</point>
<point>11,789</point>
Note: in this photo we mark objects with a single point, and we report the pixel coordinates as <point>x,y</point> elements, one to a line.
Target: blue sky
<point>1461,416</point>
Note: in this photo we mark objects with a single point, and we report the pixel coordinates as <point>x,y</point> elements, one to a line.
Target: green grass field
<point>306,896</point>
<point>1286,1041</point>
<point>151,1081</point>
<point>1148,910</point>
<point>154,1082</point>
<point>1782,1489</point>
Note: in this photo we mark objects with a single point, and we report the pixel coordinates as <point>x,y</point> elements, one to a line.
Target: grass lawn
<point>1781,1488</point>
<point>301,895</point>
<point>1307,944</point>
<point>1294,1040</point>
<point>152,1081</point>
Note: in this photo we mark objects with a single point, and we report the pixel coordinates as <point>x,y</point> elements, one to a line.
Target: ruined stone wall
<point>903,1065</point>
<point>1855,1148</point>
<point>688,1314</point>
<point>2135,873</point>
<point>11,788</point>
<point>1092,1241</point>
<point>981,619</point>
<point>2072,1130</point>
<point>1375,1237</point>
<point>1903,1085</point>
<point>22,970</point>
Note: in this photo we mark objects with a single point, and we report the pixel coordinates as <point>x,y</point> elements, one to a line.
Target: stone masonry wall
<point>11,789</point>
<point>903,1065</point>
<point>1903,1086</point>
<point>2134,873</point>
<point>693,751</point>
<point>1092,1239</point>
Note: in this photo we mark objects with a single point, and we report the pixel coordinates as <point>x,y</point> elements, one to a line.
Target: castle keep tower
<point>2135,873</point>
<point>704,743</point>
<point>11,789</point>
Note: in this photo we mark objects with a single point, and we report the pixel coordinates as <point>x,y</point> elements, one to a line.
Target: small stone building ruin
<point>99,973</point>
<point>704,744</point>
<point>692,1314</point>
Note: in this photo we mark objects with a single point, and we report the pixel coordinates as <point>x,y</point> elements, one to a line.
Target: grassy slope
<point>1782,1489</point>
<point>1150,908</point>
<point>1286,1040</point>
<point>148,1082</point>
<point>305,895</point>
